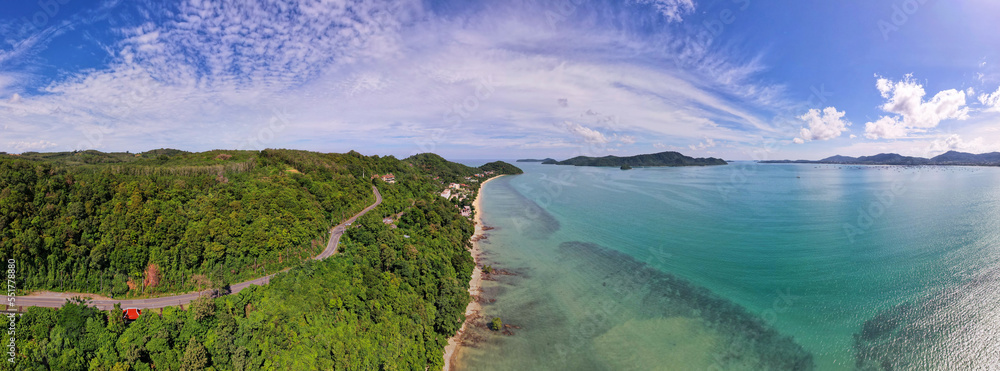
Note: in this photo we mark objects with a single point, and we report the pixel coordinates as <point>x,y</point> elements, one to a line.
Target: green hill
<point>501,168</point>
<point>388,300</point>
<point>655,159</point>
<point>170,221</point>
<point>947,158</point>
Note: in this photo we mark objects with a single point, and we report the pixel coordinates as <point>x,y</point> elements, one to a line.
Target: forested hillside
<point>501,167</point>
<point>169,221</point>
<point>388,300</point>
<point>668,158</point>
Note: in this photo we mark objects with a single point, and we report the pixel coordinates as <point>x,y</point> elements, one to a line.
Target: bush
<point>496,324</point>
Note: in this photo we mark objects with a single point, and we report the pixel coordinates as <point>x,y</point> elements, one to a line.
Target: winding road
<point>56,300</point>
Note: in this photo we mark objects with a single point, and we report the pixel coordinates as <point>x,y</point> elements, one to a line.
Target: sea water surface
<point>745,266</point>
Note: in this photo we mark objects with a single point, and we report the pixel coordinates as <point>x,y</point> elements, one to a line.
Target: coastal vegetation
<point>535,159</point>
<point>655,159</point>
<point>388,300</point>
<point>500,167</point>
<point>496,324</point>
<point>169,221</point>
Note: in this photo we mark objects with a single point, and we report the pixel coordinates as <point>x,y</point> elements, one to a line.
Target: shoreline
<point>473,308</point>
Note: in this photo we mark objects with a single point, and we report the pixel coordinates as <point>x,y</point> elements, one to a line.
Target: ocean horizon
<point>745,266</point>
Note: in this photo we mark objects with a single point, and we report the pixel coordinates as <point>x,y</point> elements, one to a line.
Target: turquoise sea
<point>742,267</point>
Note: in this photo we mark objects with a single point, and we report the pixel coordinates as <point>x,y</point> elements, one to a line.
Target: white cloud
<point>585,134</point>
<point>209,75</point>
<point>21,146</point>
<point>708,143</point>
<point>954,142</point>
<point>7,82</point>
<point>991,101</point>
<point>798,141</point>
<point>823,125</point>
<point>673,10</point>
<point>887,127</point>
<point>546,144</point>
<point>909,113</point>
<point>241,42</point>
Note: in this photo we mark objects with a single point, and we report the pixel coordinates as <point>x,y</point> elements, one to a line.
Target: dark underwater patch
<point>749,342</point>
<point>530,219</point>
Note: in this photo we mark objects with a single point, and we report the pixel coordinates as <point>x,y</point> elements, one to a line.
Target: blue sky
<point>737,79</point>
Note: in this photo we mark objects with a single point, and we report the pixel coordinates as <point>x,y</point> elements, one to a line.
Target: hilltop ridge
<point>654,159</point>
<point>947,158</point>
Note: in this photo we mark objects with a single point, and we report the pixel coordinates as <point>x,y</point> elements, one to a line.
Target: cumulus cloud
<point>887,127</point>
<point>823,125</point>
<point>954,142</point>
<point>991,101</point>
<point>584,134</point>
<point>909,113</point>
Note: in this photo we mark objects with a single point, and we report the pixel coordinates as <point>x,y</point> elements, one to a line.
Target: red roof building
<point>131,314</point>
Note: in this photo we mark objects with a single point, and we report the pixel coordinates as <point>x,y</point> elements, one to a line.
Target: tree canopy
<point>388,300</point>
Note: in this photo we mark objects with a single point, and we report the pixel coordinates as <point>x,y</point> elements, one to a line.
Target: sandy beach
<point>454,342</point>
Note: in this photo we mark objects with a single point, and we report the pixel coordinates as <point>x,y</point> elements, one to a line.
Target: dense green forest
<point>387,301</point>
<point>168,221</point>
<point>654,159</point>
<point>501,167</point>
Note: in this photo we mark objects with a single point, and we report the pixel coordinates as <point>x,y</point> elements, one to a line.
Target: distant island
<point>534,160</point>
<point>626,167</point>
<point>948,158</point>
<point>655,159</point>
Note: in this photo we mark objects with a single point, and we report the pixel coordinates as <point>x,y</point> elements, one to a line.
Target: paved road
<point>56,300</point>
<point>331,246</point>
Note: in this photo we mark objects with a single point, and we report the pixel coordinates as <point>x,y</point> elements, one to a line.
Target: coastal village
<point>458,192</point>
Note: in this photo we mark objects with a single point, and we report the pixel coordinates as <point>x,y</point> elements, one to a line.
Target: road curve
<point>336,232</point>
<point>56,300</point>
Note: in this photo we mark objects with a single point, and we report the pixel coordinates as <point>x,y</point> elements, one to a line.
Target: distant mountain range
<point>947,158</point>
<point>534,160</point>
<point>655,159</point>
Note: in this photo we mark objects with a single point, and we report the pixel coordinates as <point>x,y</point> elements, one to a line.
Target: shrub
<point>496,324</point>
